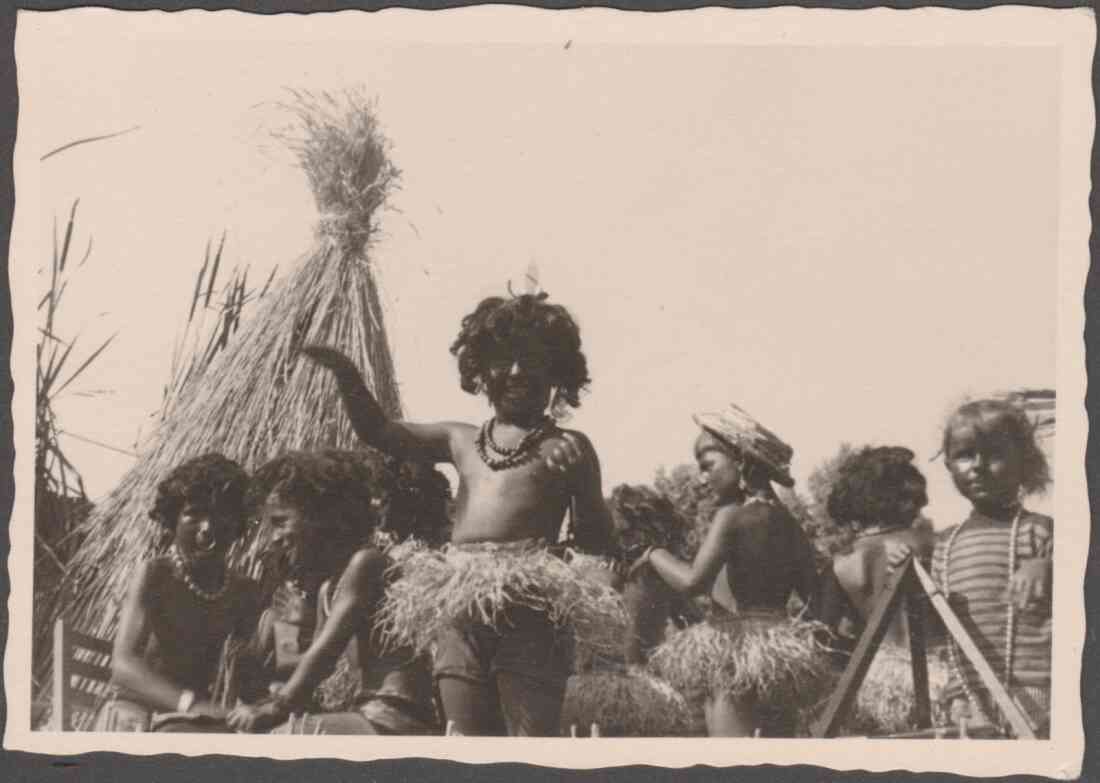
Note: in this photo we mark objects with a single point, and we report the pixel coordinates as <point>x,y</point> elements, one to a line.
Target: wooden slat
<point>60,717</point>
<point>78,639</point>
<point>1016,718</point>
<point>89,670</point>
<point>885,607</point>
<point>918,656</point>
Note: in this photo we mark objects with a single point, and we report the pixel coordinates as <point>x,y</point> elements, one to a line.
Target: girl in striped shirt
<point>995,567</point>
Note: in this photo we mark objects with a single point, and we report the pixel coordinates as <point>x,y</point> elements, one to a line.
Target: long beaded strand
<point>1010,614</point>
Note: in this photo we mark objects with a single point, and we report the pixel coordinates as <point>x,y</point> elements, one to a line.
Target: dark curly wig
<point>507,327</point>
<point>1003,419</point>
<point>872,485</point>
<point>643,518</point>
<point>212,482</point>
<point>355,493</point>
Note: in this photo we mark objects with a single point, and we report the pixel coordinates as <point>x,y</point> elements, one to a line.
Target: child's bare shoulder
<point>577,437</point>
<point>751,515</point>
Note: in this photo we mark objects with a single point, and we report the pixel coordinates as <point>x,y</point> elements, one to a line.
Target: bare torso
<point>527,501</point>
<point>187,633</point>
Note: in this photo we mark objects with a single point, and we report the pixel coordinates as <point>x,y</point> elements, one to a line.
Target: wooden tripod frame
<point>901,589</point>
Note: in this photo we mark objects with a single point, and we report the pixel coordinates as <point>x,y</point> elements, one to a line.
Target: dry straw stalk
<point>257,398</point>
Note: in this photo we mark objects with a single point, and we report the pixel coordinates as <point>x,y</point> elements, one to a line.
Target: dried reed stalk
<point>256,398</point>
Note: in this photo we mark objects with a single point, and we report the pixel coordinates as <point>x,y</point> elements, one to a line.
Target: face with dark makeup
<point>984,463</point>
<point>295,541</point>
<point>518,383</point>
<point>203,534</point>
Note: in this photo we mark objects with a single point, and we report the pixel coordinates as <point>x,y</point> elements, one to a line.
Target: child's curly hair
<point>355,493</point>
<point>212,482</point>
<point>643,518</point>
<point>872,484</point>
<point>501,326</point>
<point>1007,420</point>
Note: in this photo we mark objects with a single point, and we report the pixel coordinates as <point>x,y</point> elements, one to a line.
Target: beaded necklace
<point>498,457</point>
<point>183,571</point>
<point>1010,614</point>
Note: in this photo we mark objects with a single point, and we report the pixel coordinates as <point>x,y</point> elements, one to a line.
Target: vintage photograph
<point>579,376</point>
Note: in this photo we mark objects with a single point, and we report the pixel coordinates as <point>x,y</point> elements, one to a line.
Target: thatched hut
<point>257,398</point>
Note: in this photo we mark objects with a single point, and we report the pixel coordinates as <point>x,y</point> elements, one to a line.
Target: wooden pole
<point>877,624</point>
<point>1016,718</point>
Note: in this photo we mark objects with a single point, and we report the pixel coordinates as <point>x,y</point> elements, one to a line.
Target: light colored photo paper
<point>579,388</point>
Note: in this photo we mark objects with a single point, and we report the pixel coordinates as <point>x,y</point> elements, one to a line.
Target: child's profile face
<point>292,535</point>
<point>519,378</point>
<point>203,533</point>
<point>719,470</point>
<point>985,464</point>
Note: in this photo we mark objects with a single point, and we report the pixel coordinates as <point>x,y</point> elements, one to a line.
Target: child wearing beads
<point>329,515</point>
<point>995,567</point>
<point>754,668</point>
<point>183,606</point>
<point>502,646</point>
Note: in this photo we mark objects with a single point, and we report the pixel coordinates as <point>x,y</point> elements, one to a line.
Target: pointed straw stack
<point>257,398</point>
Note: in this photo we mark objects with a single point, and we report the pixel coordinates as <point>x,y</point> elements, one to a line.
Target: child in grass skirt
<point>878,493</point>
<point>614,691</point>
<point>754,669</point>
<point>497,605</point>
<point>325,512</point>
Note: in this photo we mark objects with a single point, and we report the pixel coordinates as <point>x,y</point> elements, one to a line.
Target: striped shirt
<point>978,580</point>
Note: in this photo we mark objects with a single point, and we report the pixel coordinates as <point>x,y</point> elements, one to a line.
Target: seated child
<point>753,669</point>
<point>995,567</point>
<point>183,606</point>
<point>613,690</point>
<point>331,515</point>
<point>497,605</point>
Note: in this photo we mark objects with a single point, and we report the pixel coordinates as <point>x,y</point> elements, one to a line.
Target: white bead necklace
<point>1010,614</point>
<point>183,570</point>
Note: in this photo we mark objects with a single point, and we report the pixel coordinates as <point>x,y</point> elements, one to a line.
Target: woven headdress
<point>742,431</point>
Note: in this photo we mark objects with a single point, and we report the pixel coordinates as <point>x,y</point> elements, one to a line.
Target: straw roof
<point>256,398</point>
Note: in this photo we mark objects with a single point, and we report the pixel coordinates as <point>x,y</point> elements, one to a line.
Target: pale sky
<point>845,240</point>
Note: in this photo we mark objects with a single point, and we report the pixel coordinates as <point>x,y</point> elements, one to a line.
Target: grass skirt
<point>885,700</point>
<point>626,703</point>
<point>767,656</point>
<point>470,584</point>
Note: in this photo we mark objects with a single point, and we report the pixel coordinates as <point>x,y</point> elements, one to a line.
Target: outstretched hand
<point>565,454</point>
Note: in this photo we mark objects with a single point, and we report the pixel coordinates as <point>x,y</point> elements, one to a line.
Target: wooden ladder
<point>899,591</point>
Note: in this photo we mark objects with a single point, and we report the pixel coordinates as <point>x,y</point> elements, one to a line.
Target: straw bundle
<point>776,660</point>
<point>479,583</point>
<point>256,398</point>
<point>626,704</point>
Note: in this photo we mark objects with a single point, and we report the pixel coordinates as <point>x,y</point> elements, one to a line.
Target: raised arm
<point>698,576</point>
<point>359,588</point>
<point>431,441</point>
<point>128,667</point>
